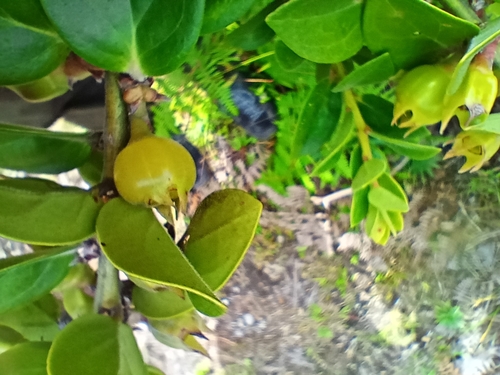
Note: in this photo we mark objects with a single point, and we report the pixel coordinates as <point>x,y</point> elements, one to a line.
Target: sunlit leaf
<point>136,243</point>
<point>41,212</point>
<point>219,235</point>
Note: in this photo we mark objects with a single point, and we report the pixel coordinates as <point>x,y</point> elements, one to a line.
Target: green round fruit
<point>155,171</point>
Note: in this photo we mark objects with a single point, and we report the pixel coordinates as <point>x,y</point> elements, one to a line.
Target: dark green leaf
<point>41,151</point>
<point>220,233</point>
<point>412,150</point>
<point>383,199</point>
<point>29,358</point>
<point>36,321</point>
<point>8,338</point>
<point>413,32</point>
<point>359,206</point>
<point>343,134</point>
<point>377,70</point>
<point>150,37</point>
<point>136,243</point>
<point>255,32</point>
<point>322,31</point>
<point>369,171</point>
<point>104,347</point>
<point>287,59</point>
<point>318,120</point>
<point>29,47</point>
<point>220,13</point>
<point>43,213</point>
<point>487,35</point>
<point>26,278</point>
<point>161,304</point>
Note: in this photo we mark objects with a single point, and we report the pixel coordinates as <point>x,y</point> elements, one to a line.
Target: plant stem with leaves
<point>116,134</point>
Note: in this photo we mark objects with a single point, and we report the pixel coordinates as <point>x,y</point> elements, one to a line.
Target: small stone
<point>238,333</point>
<point>248,319</point>
<point>225,301</point>
<point>280,239</point>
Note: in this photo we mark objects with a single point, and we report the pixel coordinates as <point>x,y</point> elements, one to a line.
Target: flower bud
<point>477,146</point>
<point>421,92</point>
<point>477,93</point>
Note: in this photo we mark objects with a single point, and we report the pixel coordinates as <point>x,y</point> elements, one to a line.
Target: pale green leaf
<point>29,358</point>
<point>369,171</point>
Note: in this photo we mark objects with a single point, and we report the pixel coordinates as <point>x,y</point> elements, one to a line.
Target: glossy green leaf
<point>369,171</point>
<point>220,13</point>
<point>219,235</point>
<point>318,120</point>
<point>136,243</point>
<point>342,135</point>
<point>383,199</point>
<point>322,31</point>
<point>29,47</point>
<point>35,321</point>
<point>286,58</point>
<point>26,278</point>
<point>412,32</point>
<point>9,337</point>
<point>487,35</point>
<point>412,150</point>
<point>41,151</point>
<point>377,70</point>
<point>389,183</point>
<point>255,32</point>
<point>161,304</point>
<point>29,358</point>
<point>41,212</point>
<point>102,346</point>
<point>150,37</point>
<point>359,206</point>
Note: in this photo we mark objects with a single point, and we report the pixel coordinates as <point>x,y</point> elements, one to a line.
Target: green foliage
<point>449,316</point>
<point>333,65</point>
